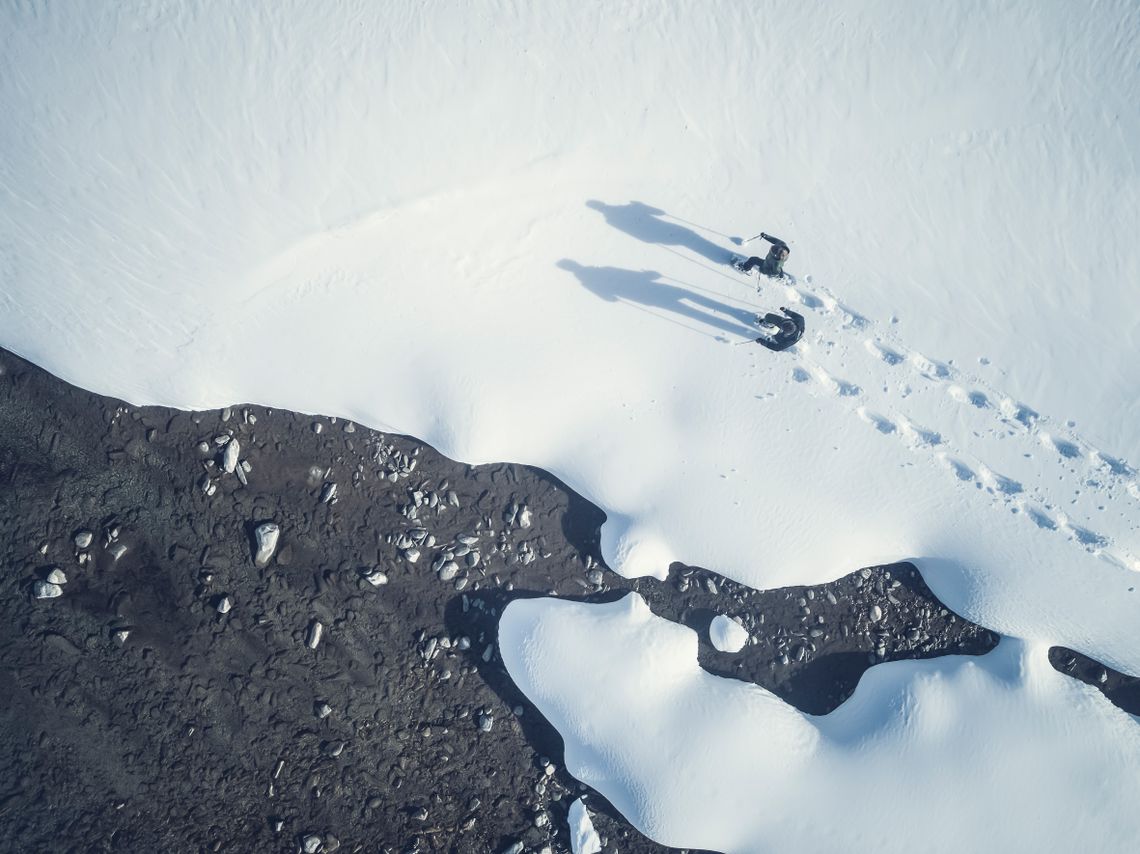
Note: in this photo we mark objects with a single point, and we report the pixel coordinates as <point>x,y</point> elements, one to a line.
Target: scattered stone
<point>117,551</point>
<point>83,539</point>
<point>311,843</point>
<point>267,534</point>
<point>313,638</point>
<point>322,710</point>
<point>121,635</point>
<point>524,517</point>
<point>411,555</point>
<point>230,457</point>
<point>328,493</point>
<point>876,613</point>
<point>55,576</point>
<point>225,604</point>
<point>448,571</point>
<point>46,590</point>
<point>375,577</point>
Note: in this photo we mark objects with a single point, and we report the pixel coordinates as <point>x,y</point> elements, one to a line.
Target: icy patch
<point>955,754</point>
<point>726,634</point>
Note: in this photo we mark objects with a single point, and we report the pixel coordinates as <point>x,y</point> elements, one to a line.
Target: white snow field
<point>505,229</point>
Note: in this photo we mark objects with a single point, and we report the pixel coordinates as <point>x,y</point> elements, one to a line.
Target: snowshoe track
<point>964,426</point>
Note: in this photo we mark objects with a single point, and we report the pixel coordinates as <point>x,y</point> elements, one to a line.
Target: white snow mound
<point>726,634</point>
<point>954,754</point>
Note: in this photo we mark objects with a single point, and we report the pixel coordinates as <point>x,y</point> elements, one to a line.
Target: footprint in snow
<point>851,319</point>
<point>959,468</point>
<point>1066,449</point>
<point>885,353</point>
<point>928,367</point>
<point>999,483</point>
<point>1085,537</point>
<point>1114,465</point>
<point>1040,519</point>
<point>1019,412</point>
<point>800,375</point>
<point>974,398</point>
<point>839,387</point>
<point>806,299</point>
<point>883,425</point>
<point>919,436</point>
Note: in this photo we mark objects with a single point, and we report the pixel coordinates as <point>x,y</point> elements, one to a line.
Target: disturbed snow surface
<point>507,232</point>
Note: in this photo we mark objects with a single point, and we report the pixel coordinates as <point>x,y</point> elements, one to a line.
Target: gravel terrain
<point>174,690</point>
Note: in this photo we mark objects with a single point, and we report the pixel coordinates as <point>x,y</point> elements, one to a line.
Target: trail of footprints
<point>1062,480</point>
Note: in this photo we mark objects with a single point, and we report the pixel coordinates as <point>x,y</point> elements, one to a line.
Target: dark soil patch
<point>201,730</point>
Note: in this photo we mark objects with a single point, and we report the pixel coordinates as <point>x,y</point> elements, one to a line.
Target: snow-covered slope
<point>505,229</point>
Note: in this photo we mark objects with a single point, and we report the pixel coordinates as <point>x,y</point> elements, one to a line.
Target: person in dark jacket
<point>773,264</point>
<point>780,333</point>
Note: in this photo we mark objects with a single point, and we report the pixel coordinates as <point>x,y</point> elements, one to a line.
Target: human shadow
<point>645,288</point>
<point>644,222</point>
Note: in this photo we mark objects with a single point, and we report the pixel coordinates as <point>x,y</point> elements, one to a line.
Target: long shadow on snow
<point>644,222</point>
<point>645,288</point>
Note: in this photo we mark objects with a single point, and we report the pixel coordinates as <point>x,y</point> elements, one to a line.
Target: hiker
<point>780,333</point>
<point>773,265</point>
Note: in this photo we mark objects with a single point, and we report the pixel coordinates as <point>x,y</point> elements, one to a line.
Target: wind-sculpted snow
<point>1000,753</point>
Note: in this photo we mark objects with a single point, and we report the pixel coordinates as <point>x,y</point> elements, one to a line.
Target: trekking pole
<point>750,239</point>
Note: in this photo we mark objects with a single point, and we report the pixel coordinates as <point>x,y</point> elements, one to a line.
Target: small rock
<point>328,493</point>
<point>314,635</point>
<point>876,613</point>
<point>121,635</point>
<point>322,709</point>
<point>317,427</point>
<point>267,534</point>
<point>117,551</point>
<point>448,571</point>
<point>46,590</point>
<point>83,539</point>
<point>311,844</point>
<point>524,517</point>
<point>225,604</point>
<point>411,555</point>
<point>230,457</point>
<point>375,577</point>
<point>56,576</point>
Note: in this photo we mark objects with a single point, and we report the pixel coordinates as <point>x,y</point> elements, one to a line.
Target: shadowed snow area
<point>507,231</point>
<point>956,754</point>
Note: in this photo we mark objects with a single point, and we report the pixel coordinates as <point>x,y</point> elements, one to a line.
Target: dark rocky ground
<point>203,731</point>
